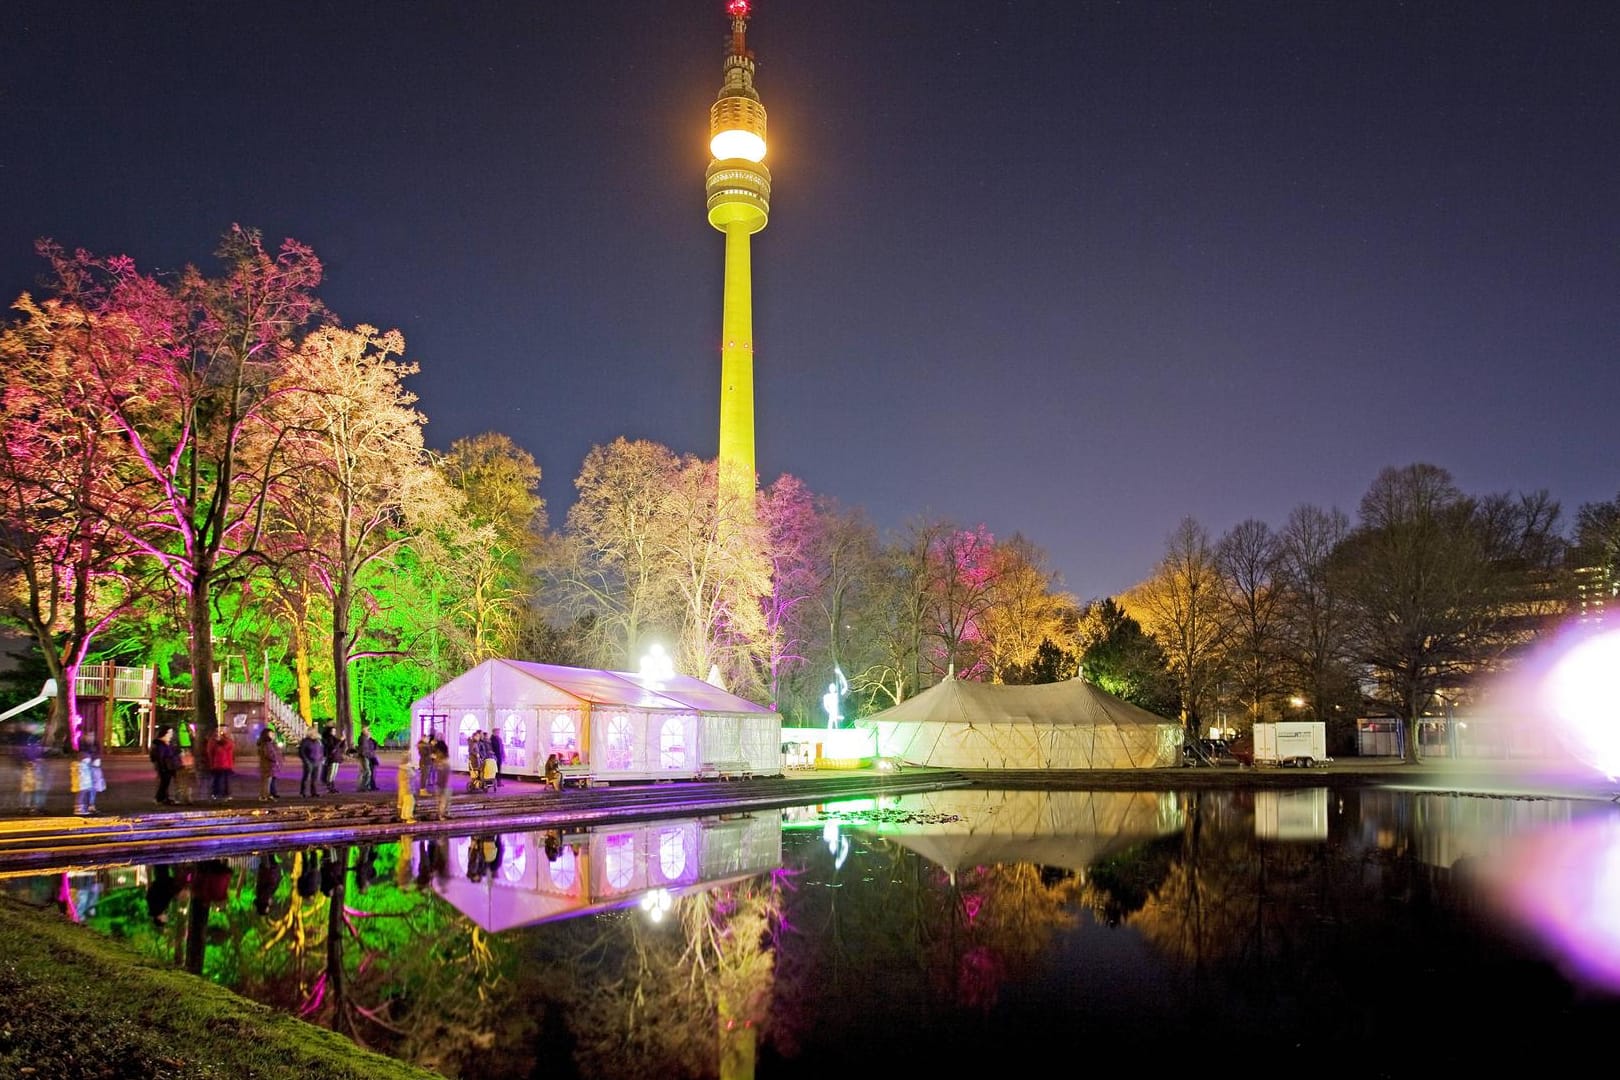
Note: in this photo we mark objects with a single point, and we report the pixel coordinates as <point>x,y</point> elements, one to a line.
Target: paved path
<point>132,783</point>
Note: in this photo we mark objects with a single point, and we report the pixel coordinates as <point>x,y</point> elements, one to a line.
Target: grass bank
<point>80,1007</point>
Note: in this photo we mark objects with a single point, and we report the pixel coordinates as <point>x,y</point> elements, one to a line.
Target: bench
<point>578,775</point>
<point>725,770</point>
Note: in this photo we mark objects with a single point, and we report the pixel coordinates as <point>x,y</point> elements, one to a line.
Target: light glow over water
<point>1564,885</point>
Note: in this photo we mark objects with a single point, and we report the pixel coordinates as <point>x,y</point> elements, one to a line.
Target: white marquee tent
<point>1068,725</point>
<point>625,726</point>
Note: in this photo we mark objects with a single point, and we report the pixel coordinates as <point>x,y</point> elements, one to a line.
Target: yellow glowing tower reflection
<point>739,190</point>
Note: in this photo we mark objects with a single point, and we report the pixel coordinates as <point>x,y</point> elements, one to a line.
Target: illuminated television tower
<point>739,189</point>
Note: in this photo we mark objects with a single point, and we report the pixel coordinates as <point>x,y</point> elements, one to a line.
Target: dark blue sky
<point>1070,269</point>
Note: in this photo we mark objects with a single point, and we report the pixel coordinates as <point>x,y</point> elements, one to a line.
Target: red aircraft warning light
<point>738,9</point>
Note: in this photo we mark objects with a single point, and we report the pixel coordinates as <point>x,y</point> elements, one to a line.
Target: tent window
<point>564,735</point>
<point>618,742</point>
<point>563,869</point>
<point>672,854</point>
<point>672,744</point>
<point>515,863</point>
<point>515,741</point>
<point>620,851</point>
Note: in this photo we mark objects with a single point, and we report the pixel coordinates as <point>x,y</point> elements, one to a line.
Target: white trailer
<point>1291,742</point>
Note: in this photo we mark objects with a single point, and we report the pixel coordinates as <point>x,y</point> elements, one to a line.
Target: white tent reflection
<point>1067,829</point>
<point>603,868</point>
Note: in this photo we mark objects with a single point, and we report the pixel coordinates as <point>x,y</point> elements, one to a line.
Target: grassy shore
<point>80,1007</point>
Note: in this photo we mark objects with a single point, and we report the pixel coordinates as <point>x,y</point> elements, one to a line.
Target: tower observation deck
<point>739,202</point>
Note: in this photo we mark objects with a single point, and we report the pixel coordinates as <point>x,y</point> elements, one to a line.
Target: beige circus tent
<point>1068,725</point>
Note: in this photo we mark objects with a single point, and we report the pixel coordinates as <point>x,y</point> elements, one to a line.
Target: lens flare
<point>1564,886</point>
<point>1583,691</point>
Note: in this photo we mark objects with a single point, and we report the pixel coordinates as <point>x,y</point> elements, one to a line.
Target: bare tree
<point>1315,624</point>
<point>1181,608</point>
<point>359,478</point>
<point>1431,577</point>
<point>1026,608</point>
<point>1249,558</point>
<point>608,571</point>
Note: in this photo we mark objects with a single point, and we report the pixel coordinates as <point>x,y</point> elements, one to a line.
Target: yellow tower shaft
<point>737,357</point>
<point>738,188</point>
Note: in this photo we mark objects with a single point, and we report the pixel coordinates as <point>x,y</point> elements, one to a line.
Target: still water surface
<point>1380,931</point>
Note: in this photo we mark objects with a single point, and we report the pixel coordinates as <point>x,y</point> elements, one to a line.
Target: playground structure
<point>243,705</point>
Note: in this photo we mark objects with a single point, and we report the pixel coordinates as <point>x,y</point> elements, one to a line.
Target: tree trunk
<point>342,705</point>
<point>301,670</point>
<point>205,710</point>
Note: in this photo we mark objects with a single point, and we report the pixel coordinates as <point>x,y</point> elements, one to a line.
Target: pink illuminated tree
<point>961,578</point>
<point>188,393</point>
<point>792,535</point>
<point>68,574</point>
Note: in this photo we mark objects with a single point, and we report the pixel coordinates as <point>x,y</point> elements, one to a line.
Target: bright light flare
<point>1565,886</point>
<point>737,144</point>
<point>738,9</point>
<point>1583,690</point>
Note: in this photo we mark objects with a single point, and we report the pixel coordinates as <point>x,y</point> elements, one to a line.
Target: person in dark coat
<point>497,751</point>
<point>441,767</point>
<point>308,881</point>
<point>309,755</point>
<point>424,764</point>
<point>332,747</point>
<point>266,880</point>
<point>166,760</point>
<point>367,751</point>
<point>161,889</point>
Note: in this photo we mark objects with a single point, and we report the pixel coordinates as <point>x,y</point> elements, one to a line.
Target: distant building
<point>1596,590</point>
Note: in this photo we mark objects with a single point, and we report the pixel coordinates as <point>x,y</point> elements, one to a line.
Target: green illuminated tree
<point>497,613</point>
<point>1118,657</point>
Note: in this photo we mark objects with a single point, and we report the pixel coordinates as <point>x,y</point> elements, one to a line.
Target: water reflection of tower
<point>739,196</point>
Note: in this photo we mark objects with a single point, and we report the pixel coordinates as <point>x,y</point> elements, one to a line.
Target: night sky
<point>1071,269</point>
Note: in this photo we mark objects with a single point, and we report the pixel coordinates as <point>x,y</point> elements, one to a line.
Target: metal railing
<point>126,683</point>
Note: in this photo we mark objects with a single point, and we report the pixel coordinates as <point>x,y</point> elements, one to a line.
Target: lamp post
<point>656,664</point>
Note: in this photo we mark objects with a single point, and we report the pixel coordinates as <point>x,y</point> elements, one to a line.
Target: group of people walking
<point>208,768</point>
<point>204,772</point>
<point>322,757</point>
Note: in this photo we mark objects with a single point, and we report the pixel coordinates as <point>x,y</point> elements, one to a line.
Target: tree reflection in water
<point>1047,917</point>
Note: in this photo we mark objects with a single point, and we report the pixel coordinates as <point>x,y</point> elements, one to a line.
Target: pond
<point>1370,929</point>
